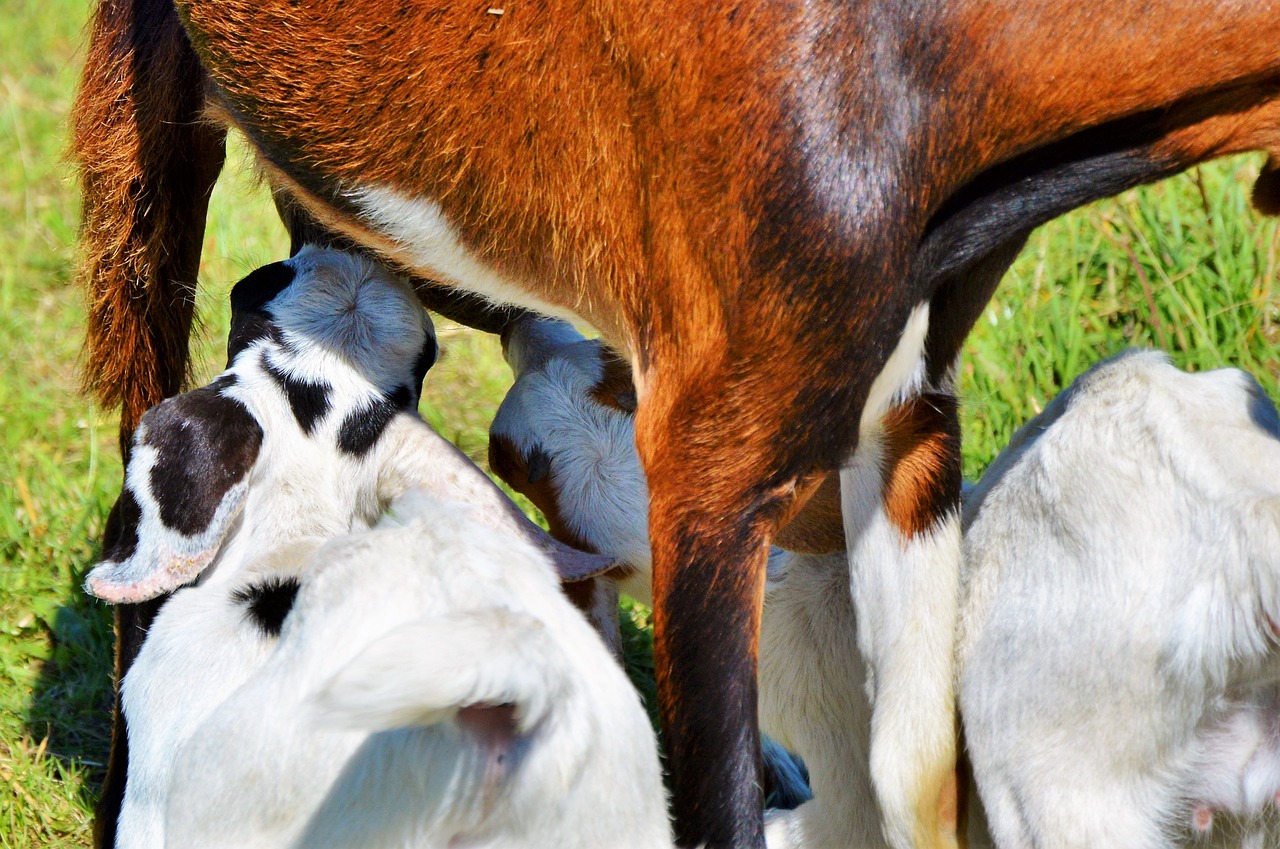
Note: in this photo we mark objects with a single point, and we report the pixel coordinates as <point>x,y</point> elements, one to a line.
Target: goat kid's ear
<point>250,319</point>
<point>185,483</point>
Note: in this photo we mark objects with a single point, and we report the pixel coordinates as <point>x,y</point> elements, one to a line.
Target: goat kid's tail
<point>433,670</point>
<point>147,161</point>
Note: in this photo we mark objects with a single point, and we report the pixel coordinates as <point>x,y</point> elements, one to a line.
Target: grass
<point>1184,265</point>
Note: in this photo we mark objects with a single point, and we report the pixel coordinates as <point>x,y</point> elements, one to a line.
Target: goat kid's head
<point>325,346</point>
<point>564,437</point>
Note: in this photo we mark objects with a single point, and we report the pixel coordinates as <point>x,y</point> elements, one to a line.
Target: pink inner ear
<point>573,565</point>
<point>131,582</point>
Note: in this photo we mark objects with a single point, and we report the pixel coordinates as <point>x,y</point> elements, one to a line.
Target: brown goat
<point>788,215</point>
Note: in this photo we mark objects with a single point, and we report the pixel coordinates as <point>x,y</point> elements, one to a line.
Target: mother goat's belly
<point>421,237</point>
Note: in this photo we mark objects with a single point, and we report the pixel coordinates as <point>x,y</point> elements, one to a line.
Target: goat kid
<point>574,395</point>
<point>1119,653</point>
<point>1138,477</point>
<point>564,437</point>
<point>786,215</point>
<point>431,687</point>
<point>307,435</point>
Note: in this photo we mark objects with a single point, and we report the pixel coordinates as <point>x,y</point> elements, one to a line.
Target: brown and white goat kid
<point>307,435</point>
<point>1119,652</point>
<point>432,687</point>
<point>786,215</point>
<point>564,436</point>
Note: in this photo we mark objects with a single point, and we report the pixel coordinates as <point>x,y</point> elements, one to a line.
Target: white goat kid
<point>432,687</point>
<point>308,434</point>
<point>1119,659</point>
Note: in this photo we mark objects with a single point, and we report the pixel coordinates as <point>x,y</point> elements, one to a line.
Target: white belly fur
<point>431,244</point>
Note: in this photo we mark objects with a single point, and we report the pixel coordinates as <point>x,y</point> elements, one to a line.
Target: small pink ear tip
<point>112,593</point>
<point>105,588</point>
<point>1202,818</point>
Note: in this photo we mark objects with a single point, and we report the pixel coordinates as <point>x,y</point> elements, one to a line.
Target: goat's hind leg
<point>900,495</point>
<point>717,492</point>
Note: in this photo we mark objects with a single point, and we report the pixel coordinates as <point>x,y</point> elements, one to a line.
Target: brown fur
<point>818,526</point>
<point>922,462</point>
<point>616,389</point>
<point>147,167</point>
<point>748,198</point>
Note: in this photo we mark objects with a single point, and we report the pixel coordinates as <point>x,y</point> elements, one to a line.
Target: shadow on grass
<point>70,705</point>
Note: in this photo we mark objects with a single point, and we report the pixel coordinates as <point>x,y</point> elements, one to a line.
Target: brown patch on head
<point>616,388</point>
<point>922,462</point>
<point>530,476</point>
<point>596,597</point>
<point>818,526</point>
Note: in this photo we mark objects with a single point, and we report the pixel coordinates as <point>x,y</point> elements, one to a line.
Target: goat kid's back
<point>1118,647</point>
<point>431,685</point>
<point>232,485</point>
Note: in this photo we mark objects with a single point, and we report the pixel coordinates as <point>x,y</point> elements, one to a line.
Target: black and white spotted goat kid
<point>325,349</point>
<point>308,435</point>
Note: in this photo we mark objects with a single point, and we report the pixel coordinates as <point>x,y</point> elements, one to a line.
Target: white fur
<point>300,491</point>
<point>1118,647</point>
<point>595,470</point>
<point>352,733</point>
<point>902,374</point>
<point>906,593</point>
<point>199,649</point>
<point>418,226</point>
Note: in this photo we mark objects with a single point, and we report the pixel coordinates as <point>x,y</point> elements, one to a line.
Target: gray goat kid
<point>1119,648</point>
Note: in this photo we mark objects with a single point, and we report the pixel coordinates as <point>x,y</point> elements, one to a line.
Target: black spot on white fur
<point>309,401</point>
<point>206,443</point>
<point>426,359</point>
<point>224,381</point>
<point>361,430</point>
<point>249,328</point>
<point>268,604</point>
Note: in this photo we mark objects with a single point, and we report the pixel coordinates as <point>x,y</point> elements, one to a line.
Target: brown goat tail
<point>147,161</point>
